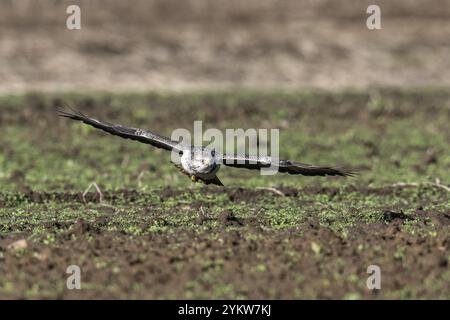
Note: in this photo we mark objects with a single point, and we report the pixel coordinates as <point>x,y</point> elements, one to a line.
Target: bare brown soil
<point>198,44</point>
<point>159,273</point>
<point>220,242</point>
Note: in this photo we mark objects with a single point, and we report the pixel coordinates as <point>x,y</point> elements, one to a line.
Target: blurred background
<point>201,44</point>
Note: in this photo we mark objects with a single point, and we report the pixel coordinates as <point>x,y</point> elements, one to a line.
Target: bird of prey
<point>199,163</point>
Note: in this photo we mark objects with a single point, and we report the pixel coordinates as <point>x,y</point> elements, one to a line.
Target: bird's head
<point>203,159</point>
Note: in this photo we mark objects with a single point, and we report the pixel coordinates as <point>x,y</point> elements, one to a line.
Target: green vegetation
<point>388,136</point>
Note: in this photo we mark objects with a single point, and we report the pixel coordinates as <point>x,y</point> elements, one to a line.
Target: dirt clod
<point>227,218</point>
<point>18,244</point>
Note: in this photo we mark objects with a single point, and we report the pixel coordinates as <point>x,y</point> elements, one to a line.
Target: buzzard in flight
<point>200,163</point>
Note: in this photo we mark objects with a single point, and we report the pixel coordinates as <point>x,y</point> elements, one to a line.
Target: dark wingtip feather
<point>311,170</point>
<point>71,113</point>
<point>345,173</point>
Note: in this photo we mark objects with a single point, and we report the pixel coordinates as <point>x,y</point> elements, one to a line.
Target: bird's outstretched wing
<point>291,167</point>
<point>140,135</point>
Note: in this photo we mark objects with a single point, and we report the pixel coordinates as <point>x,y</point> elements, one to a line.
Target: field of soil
<point>201,44</point>
<point>150,233</point>
<point>374,101</point>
